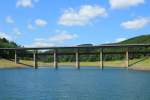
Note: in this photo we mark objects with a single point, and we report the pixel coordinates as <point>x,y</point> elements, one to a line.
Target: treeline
<point>4,43</point>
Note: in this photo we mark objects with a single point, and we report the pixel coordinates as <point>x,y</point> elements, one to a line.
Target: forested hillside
<point>4,43</point>
<point>144,39</point>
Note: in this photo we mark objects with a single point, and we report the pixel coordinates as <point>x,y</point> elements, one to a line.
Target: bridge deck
<point>78,52</point>
<point>78,47</point>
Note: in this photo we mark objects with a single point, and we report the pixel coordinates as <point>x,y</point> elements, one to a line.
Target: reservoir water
<point>73,84</point>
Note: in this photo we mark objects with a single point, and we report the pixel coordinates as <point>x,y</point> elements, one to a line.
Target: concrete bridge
<point>77,52</point>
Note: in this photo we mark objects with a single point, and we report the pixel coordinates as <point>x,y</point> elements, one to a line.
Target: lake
<point>73,84</point>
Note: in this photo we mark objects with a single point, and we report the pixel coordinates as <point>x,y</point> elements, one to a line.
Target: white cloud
<point>136,23</point>
<point>41,43</point>
<point>40,22</point>
<point>17,31</point>
<point>54,40</point>
<point>120,39</point>
<point>5,35</point>
<point>25,3</point>
<point>81,17</point>
<point>9,20</point>
<point>62,36</point>
<point>119,4</point>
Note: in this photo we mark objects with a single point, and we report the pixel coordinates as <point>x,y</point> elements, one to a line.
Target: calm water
<point>72,84</point>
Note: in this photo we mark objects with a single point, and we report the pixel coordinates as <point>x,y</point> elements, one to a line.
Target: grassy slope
<point>143,65</point>
<point>9,64</point>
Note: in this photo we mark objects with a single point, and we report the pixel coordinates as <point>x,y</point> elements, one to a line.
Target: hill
<point>144,39</point>
<point>4,43</point>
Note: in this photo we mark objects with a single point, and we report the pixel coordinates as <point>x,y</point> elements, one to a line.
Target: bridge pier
<point>127,58</point>
<point>101,59</point>
<point>16,57</point>
<point>55,60</point>
<point>77,60</point>
<point>35,61</point>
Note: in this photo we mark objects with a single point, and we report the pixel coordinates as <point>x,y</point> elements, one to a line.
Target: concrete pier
<point>35,60</point>
<point>16,57</point>
<point>127,58</point>
<point>77,60</point>
<point>55,60</point>
<point>101,59</point>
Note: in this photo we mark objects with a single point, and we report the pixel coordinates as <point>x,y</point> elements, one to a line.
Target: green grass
<point>9,64</point>
<point>142,64</point>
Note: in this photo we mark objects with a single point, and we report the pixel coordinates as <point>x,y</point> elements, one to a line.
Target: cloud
<point>41,43</point>
<point>26,3</point>
<point>9,20</point>
<point>17,31</point>
<point>5,35</point>
<point>54,40</point>
<point>120,39</point>
<point>62,36</point>
<point>120,4</point>
<point>40,22</point>
<point>81,17</point>
<point>136,23</point>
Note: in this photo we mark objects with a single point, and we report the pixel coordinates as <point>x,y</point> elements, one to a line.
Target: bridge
<point>87,50</point>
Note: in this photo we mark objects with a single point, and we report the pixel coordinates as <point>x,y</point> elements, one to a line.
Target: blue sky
<point>72,22</point>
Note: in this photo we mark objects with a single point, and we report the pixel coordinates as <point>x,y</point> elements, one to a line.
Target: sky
<point>40,23</point>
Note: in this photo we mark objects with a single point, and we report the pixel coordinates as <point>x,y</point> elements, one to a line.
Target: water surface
<point>73,84</point>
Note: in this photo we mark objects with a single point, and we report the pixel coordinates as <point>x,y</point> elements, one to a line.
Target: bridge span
<point>77,52</point>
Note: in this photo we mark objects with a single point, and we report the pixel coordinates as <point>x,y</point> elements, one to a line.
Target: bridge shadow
<point>130,65</point>
<point>26,64</point>
<point>12,60</point>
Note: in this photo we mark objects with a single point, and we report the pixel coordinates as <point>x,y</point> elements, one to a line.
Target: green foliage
<point>144,39</point>
<point>4,43</point>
